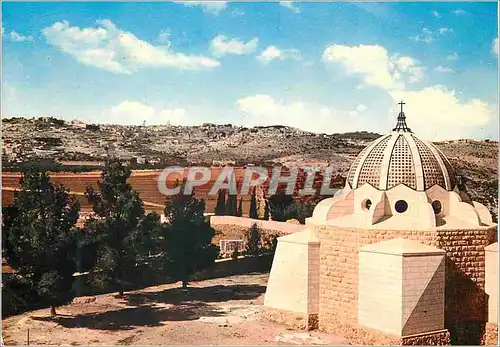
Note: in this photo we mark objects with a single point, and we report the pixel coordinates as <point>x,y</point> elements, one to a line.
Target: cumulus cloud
<point>374,65</point>
<point>15,36</point>
<point>290,5</point>
<point>444,31</point>
<point>441,68</point>
<point>212,7</point>
<point>135,113</point>
<point>263,109</point>
<point>109,48</point>
<point>436,14</point>
<point>494,47</point>
<point>222,45</point>
<point>426,36</point>
<point>436,113</point>
<point>272,53</point>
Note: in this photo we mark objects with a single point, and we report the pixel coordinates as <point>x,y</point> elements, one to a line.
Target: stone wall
<point>229,227</point>
<point>464,288</point>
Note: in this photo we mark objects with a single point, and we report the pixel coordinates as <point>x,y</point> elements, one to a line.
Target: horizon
<point>308,66</point>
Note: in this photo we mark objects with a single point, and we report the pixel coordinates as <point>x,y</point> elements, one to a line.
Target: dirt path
<point>225,311</point>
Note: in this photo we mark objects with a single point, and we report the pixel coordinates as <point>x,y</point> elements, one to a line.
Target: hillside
<point>53,140</point>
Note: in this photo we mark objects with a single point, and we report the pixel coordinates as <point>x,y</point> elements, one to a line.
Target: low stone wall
<point>235,228</point>
<point>466,304</point>
<point>233,267</point>
<point>281,227</point>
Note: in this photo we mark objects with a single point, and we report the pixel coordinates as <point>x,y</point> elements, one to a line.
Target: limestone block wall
<point>380,292</point>
<point>491,281</point>
<point>465,272</point>
<point>295,271</point>
<point>423,294</point>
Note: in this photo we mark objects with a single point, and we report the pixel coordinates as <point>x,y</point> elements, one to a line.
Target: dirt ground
<point>224,311</point>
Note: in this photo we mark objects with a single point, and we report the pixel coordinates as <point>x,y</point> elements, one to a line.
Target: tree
<point>231,205</point>
<point>239,212</point>
<point>281,207</point>
<point>39,236</point>
<point>220,208</point>
<point>253,241</point>
<point>187,246</point>
<point>253,206</point>
<point>266,210</point>
<point>119,233</point>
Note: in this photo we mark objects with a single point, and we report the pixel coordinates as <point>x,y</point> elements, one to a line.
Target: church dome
<point>401,158</point>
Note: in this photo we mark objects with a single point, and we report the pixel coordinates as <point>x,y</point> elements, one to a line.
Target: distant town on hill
<point>77,146</point>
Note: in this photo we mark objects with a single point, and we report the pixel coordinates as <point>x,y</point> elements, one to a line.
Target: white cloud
<point>109,48</point>
<point>374,65</point>
<point>222,45</point>
<point>426,36</point>
<point>2,30</point>
<point>164,37</point>
<point>290,5</point>
<point>435,113</point>
<point>441,68</point>
<point>444,31</point>
<point>436,14</point>
<point>272,52</point>
<point>453,56</point>
<point>459,12</point>
<point>212,7</point>
<point>135,113</point>
<point>361,108</point>
<point>494,47</point>
<point>262,109</point>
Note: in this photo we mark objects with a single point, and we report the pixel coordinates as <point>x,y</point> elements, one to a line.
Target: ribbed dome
<point>401,158</point>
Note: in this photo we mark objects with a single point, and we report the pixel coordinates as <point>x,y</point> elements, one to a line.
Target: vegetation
<point>119,232</point>
<point>187,239</point>
<point>253,205</point>
<point>239,212</point>
<point>283,207</point>
<point>220,208</point>
<point>253,241</point>
<point>39,237</point>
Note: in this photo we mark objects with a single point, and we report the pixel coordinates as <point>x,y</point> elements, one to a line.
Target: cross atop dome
<point>401,124</point>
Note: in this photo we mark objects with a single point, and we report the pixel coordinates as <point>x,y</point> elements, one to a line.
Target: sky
<point>321,67</point>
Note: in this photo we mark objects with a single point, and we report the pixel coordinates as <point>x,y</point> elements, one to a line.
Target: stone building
<point>396,257</point>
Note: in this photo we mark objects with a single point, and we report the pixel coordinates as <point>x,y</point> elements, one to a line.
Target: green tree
<point>231,205</point>
<point>266,210</point>
<point>253,241</point>
<point>220,208</point>
<point>119,233</point>
<point>39,236</point>
<point>281,206</point>
<point>187,246</point>
<point>239,212</point>
<point>253,205</point>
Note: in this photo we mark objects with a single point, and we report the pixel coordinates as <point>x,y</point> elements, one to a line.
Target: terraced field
<point>145,182</point>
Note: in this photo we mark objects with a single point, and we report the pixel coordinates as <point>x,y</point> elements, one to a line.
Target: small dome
<point>401,158</point>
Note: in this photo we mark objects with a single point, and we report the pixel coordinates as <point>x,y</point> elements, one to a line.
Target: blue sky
<point>323,67</point>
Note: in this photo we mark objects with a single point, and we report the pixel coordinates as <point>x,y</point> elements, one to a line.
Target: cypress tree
<point>253,206</point>
<point>239,213</point>
<point>220,209</point>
